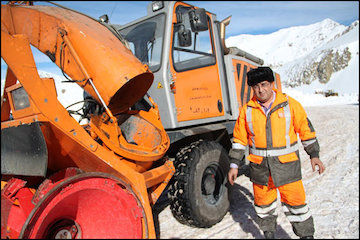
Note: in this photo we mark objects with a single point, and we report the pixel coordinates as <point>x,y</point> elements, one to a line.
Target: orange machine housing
<point>120,143</point>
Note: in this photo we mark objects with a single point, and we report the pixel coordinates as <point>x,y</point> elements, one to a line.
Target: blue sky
<point>248,17</point>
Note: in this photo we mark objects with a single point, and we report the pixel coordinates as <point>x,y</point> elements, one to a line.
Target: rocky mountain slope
<point>305,54</point>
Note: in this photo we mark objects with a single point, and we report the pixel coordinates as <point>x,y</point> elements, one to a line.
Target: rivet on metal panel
<point>93,147</point>
<point>154,196</point>
<point>65,189</point>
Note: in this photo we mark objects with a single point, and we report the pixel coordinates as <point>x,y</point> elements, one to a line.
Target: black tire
<point>198,192</point>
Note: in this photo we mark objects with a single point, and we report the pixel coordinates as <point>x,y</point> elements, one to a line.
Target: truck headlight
<point>20,98</point>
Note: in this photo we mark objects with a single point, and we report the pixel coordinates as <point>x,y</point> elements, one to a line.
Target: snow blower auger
<point>61,178</point>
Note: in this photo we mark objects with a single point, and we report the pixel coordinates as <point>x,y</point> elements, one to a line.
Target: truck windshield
<point>145,40</point>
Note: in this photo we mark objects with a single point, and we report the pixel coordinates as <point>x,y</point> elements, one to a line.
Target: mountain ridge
<point>316,54</point>
<point>305,54</point>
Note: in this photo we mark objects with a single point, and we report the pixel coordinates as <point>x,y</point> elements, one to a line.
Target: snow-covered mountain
<point>321,56</point>
<point>324,54</point>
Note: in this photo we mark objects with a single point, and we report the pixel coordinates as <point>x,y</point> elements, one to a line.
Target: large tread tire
<point>195,198</point>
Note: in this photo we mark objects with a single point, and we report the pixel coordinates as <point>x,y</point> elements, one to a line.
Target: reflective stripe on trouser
<point>294,206</point>
<point>266,216</point>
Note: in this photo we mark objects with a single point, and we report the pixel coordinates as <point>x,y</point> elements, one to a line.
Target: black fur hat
<point>257,75</point>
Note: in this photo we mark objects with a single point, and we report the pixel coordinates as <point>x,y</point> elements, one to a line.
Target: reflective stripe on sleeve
<point>308,142</point>
<point>238,146</point>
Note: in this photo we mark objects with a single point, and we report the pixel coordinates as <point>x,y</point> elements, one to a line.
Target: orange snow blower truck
<point>60,178</point>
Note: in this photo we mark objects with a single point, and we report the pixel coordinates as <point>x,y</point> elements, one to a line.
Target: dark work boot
<point>269,235</point>
<point>307,237</point>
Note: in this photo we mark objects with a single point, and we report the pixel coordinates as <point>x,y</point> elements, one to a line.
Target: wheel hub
<point>64,229</point>
<point>209,184</point>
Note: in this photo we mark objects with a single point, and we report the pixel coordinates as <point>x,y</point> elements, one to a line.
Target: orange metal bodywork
<point>196,98</point>
<point>88,51</point>
<point>243,92</point>
<point>242,88</point>
<point>114,70</point>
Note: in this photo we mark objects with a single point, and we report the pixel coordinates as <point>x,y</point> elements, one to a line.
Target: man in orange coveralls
<point>269,124</point>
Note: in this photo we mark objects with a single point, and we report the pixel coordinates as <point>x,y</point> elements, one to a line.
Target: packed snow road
<point>333,197</point>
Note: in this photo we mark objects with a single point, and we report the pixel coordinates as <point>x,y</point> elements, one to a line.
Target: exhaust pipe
<point>235,50</point>
<point>223,24</point>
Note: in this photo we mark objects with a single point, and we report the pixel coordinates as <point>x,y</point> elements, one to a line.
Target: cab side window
<point>191,49</point>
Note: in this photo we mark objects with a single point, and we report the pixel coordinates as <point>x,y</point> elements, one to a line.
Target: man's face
<point>263,91</point>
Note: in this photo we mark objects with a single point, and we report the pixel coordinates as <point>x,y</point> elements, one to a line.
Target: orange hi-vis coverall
<point>274,159</point>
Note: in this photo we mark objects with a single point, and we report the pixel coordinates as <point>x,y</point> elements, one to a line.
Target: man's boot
<point>269,235</point>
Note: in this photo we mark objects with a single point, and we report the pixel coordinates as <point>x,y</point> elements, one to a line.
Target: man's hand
<point>232,175</point>
<point>317,162</point>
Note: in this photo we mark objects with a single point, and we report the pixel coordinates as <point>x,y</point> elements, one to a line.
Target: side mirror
<point>184,36</point>
<point>198,20</point>
<point>104,18</point>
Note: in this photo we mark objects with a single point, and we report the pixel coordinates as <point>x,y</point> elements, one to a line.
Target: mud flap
<point>23,151</point>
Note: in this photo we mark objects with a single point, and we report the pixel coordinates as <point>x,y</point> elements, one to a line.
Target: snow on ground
<point>333,196</point>
<point>311,99</point>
